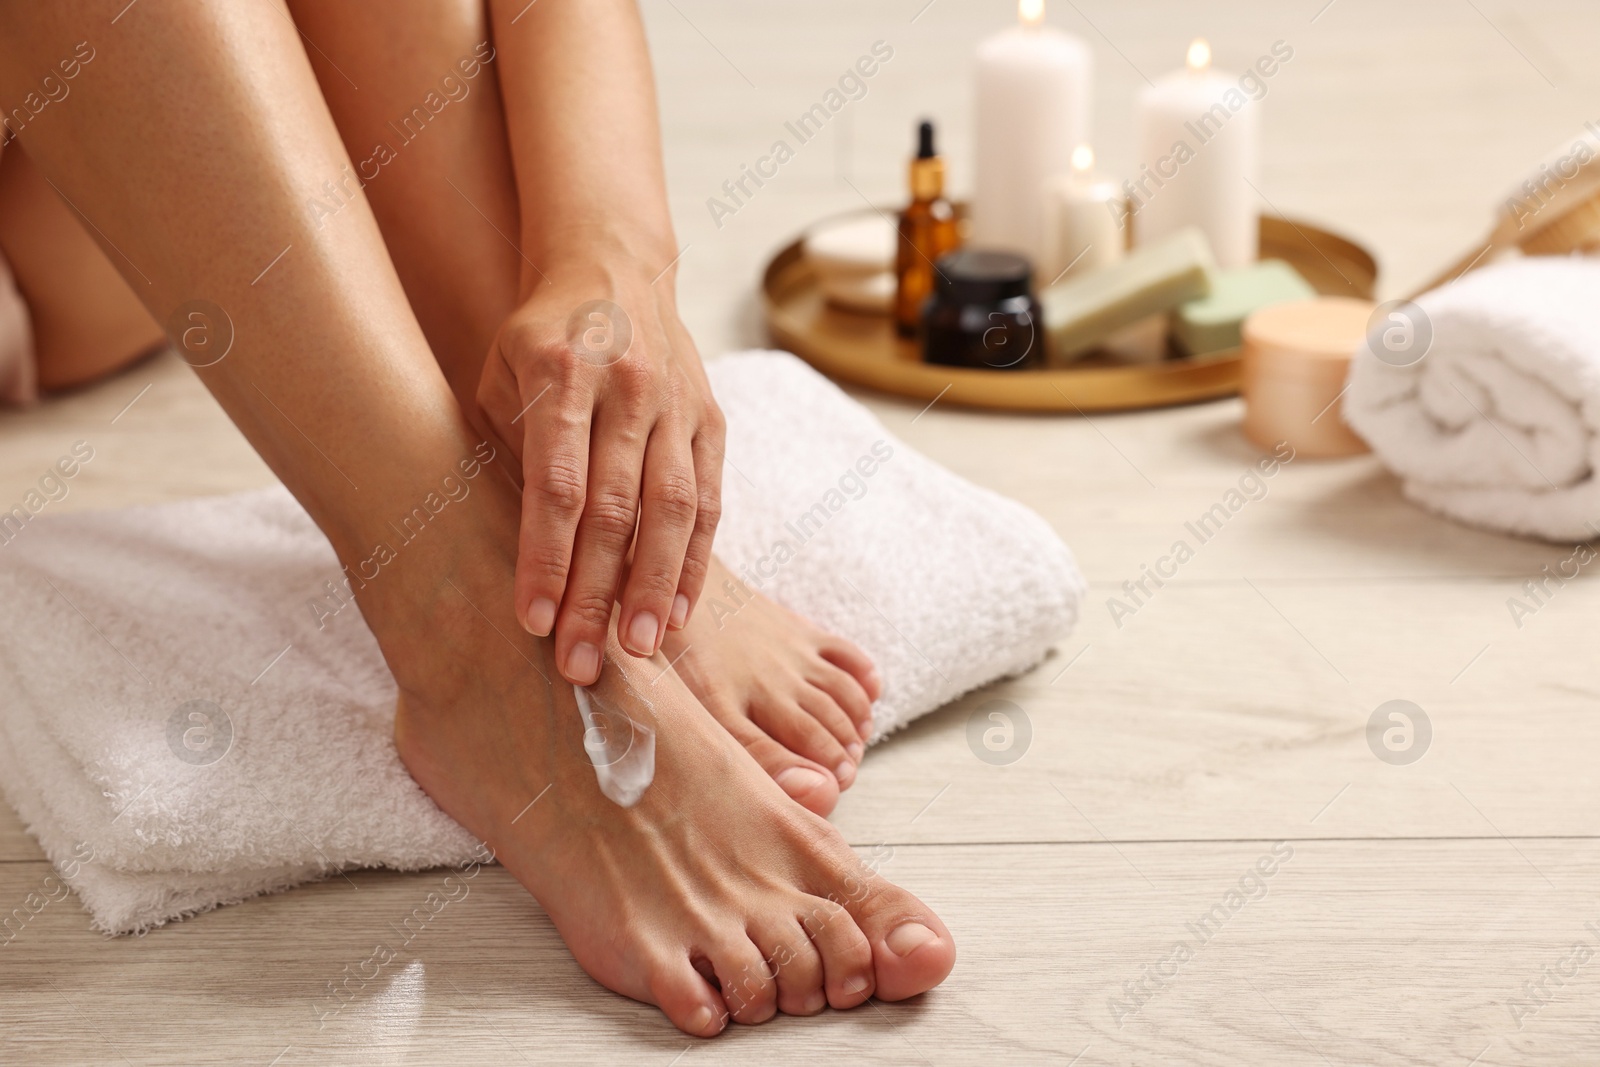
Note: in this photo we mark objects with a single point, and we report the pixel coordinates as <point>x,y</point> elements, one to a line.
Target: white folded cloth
<point>1498,425</point>
<point>182,729</point>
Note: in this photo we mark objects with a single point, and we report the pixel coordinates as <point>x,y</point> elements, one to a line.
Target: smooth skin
<point>445,205</point>
<point>191,145</point>
<point>797,697</point>
<point>86,321</point>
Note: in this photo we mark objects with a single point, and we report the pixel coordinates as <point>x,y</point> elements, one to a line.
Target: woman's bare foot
<point>797,697</point>
<point>714,896</point>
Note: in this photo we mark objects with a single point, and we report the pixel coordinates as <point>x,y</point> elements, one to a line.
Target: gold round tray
<point>863,349</point>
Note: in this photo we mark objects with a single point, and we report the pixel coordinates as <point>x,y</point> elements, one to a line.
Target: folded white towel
<point>178,714</point>
<point>1498,425</point>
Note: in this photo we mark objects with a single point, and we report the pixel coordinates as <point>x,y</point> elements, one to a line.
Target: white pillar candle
<point>1032,111</point>
<point>1198,151</point>
<point>1083,212</point>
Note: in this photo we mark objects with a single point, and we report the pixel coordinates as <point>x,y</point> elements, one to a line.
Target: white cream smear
<point>622,749</point>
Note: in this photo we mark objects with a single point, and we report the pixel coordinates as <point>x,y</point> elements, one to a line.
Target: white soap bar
<point>622,749</point>
<point>856,245</point>
<point>872,293</point>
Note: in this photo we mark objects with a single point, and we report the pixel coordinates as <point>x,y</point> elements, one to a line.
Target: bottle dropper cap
<point>925,141</point>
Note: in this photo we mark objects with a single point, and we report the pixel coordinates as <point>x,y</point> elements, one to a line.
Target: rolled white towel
<point>1498,424</point>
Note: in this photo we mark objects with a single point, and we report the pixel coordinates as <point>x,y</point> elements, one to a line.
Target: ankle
<point>439,599</point>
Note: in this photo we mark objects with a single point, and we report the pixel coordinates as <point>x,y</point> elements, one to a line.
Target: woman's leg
<point>86,321</point>
<point>798,698</point>
<point>192,141</point>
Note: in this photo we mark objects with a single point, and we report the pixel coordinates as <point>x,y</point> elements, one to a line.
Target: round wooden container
<point>1296,359</point>
<point>863,349</point>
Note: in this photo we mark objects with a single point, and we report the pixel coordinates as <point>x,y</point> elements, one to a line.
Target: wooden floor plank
<point>1360,952</point>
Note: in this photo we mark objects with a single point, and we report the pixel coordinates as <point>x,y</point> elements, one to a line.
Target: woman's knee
<point>86,321</point>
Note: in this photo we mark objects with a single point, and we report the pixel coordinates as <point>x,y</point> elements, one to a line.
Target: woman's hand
<point>597,388</point>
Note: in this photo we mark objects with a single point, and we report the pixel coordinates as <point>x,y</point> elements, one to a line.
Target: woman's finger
<point>555,464</point>
<point>605,532</point>
<point>667,506</point>
<point>707,448</point>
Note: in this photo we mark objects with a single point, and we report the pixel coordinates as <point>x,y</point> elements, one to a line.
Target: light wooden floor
<point>1167,756</point>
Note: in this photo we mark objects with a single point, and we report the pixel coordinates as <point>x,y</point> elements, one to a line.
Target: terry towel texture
<point>178,713</point>
<point>1498,425</point>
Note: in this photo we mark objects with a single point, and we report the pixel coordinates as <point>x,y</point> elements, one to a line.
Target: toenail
<point>680,611</point>
<point>700,1021</point>
<point>855,751</point>
<point>799,781</point>
<point>854,985</point>
<point>845,772</point>
<point>642,633</point>
<point>905,939</point>
<point>814,1002</point>
<point>541,617</point>
<point>584,663</point>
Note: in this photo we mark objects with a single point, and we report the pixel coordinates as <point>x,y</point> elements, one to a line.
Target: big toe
<point>912,958</point>
<point>807,783</point>
<point>814,789</point>
<point>912,951</point>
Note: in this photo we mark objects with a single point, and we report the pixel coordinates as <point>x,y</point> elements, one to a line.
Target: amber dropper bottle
<point>927,231</point>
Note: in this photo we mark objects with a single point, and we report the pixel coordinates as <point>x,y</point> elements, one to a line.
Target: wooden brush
<point>1555,212</point>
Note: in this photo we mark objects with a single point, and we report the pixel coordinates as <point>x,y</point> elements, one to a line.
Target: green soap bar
<point>1211,323</point>
<point>1083,311</point>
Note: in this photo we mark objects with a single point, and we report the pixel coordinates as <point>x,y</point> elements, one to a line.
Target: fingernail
<point>583,665</point>
<point>700,1021</point>
<point>541,617</point>
<point>680,611</point>
<point>814,1002</point>
<point>854,985</point>
<point>798,781</point>
<point>642,633</point>
<point>905,939</point>
<point>855,751</point>
<point>845,772</point>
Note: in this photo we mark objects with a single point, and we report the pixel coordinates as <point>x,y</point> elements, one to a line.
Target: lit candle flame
<point>1031,12</point>
<point>1199,55</point>
<point>1082,159</point>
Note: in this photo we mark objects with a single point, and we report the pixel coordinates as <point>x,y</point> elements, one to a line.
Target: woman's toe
<point>847,657</point>
<point>813,788</point>
<point>797,963</point>
<point>749,986</point>
<point>795,727</point>
<point>845,690</point>
<point>809,784</point>
<point>829,713</point>
<point>846,954</point>
<point>912,951</point>
<point>688,1001</point>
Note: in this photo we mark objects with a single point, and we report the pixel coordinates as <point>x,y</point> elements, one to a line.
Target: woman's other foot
<point>798,698</point>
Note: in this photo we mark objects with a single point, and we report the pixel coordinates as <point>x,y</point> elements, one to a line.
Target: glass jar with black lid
<point>983,312</point>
